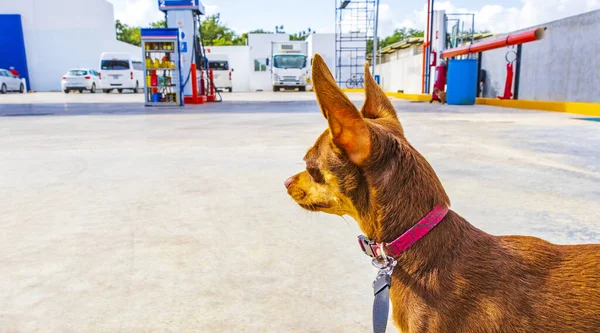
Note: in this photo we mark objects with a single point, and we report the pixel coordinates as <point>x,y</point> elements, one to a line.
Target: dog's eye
<point>316,174</point>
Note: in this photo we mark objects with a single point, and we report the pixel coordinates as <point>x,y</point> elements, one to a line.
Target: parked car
<point>219,63</point>
<point>80,80</point>
<point>121,71</point>
<point>9,82</point>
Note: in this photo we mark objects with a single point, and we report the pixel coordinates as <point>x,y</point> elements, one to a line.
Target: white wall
<point>63,34</point>
<point>239,60</point>
<point>260,48</point>
<point>403,74</point>
<point>324,45</point>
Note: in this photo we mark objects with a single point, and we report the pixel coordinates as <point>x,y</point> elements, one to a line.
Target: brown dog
<point>457,278</point>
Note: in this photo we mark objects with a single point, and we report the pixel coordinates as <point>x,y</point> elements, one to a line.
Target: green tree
<point>128,34</point>
<point>243,38</point>
<point>260,31</point>
<point>302,35</point>
<point>159,24</point>
<point>398,36</point>
<point>215,32</point>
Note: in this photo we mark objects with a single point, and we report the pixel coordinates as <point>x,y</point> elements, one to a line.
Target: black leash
<point>383,281</point>
<point>386,264</point>
<point>381,291</point>
<point>381,304</point>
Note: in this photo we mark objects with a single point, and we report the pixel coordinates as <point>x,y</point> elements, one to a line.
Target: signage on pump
<point>178,4</point>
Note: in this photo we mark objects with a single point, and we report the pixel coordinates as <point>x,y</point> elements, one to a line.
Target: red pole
<point>516,39</point>
<point>194,84</point>
<point>425,44</point>
<point>212,86</point>
<point>211,95</point>
<point>202,84</point>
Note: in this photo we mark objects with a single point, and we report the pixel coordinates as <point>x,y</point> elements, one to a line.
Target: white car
<point>221,72</point>
<point>9,82</point>
<point>80,79</point>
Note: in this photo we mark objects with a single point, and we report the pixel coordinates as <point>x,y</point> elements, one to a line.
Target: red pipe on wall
<point>515,39</point>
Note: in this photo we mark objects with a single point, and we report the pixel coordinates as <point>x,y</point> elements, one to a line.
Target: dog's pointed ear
<point>377,104</point>
<point>349,132</point>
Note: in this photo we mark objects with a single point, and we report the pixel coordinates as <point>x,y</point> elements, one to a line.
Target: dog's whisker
<point>346,220</point>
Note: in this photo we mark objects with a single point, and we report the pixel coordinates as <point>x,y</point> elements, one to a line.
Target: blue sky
<point>297,15</point>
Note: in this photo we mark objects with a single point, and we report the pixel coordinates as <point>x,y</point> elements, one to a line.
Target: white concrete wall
<point>260,48</point>
<point>324,45</point>
<point>62,34</point>
<point>239,60</point>
<point>118,46</point>
<point>402,74</point>
<point>563,67</point>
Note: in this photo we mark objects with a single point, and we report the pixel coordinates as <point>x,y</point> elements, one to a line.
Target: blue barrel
<point>462,82</point>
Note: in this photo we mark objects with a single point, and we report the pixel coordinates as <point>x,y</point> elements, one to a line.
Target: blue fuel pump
<point>184,15</point>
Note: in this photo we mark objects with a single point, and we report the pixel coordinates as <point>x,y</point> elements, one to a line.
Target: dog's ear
<point>348,129</point>
<point>377,104</point>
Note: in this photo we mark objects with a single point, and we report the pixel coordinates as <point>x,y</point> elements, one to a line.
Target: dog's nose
<point>288,182</point>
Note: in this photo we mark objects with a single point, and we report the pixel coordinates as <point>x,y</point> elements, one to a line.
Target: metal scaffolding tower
<point>355,28</point>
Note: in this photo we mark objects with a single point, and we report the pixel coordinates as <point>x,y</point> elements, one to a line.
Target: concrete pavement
<point>130,97</point>
<point>122,219</point>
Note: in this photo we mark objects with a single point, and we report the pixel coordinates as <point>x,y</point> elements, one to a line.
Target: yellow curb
<point>590,109</point>
<point>412,97</point>
<point>358,90</point>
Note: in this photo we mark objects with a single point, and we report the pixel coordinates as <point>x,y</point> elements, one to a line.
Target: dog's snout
<point>288,182</point>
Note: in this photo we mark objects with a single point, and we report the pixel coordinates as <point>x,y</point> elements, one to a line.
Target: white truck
<point>289,69</point>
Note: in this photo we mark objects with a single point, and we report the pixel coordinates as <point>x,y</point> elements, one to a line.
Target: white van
<point>121,71</point>
<point>219,63</point>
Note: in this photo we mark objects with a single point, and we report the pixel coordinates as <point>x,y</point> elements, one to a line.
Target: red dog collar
<point>402,243</point>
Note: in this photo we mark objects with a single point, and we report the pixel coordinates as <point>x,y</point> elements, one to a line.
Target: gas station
<point>190,81</point>
<point>132,213</point>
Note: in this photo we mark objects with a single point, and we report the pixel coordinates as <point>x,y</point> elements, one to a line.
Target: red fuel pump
<point>440,83</point>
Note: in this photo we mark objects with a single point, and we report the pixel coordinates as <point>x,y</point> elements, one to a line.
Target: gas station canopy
<point>194,5</point>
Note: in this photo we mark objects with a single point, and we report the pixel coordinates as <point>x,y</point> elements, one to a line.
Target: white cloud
<point>387,20</point>
<point>143,12</point>
<point>239,31</point>
<point>137,12</point>
<point>327,28</point>
<point>406,23</point>
<point>211,9</point>
<point>351,23</point>
<point>499,19</point>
